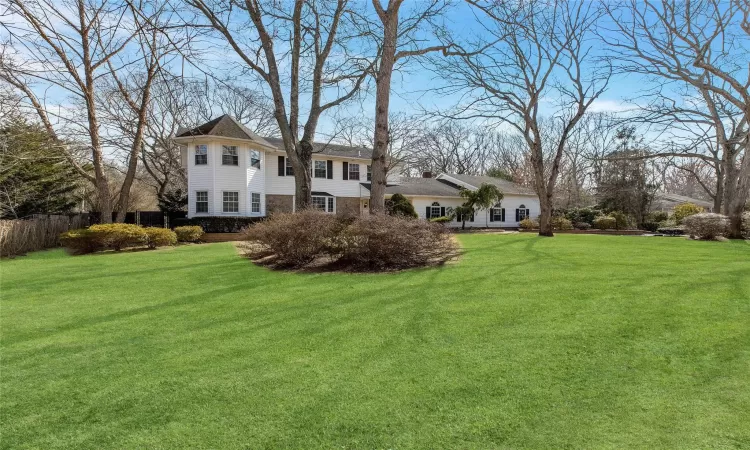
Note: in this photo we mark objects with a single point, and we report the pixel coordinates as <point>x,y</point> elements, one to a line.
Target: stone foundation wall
<point>279,203</point>
<point>347,206</point>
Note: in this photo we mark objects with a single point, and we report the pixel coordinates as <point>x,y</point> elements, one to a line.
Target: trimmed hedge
<point>160,237</point>
<point>528,224</point>
<point>213,224</point>
<point>706,226</point>
<point>119,235</point>
<point>605,223</point>
<point>189,233</point>
<point>561,223</point>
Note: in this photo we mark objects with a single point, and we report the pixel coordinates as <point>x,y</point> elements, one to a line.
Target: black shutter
<point>346,170</point>
<point>518,215</point>
<point>492,214</point>
<point>472,217</point>
<point>503,215</point>
<point>527,213</point>
<point>442,211</point>
<point>329,169</point>
<point>427,212</point>
<point>282,166</point>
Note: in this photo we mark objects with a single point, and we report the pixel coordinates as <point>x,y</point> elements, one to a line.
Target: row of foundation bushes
<point>369,243</point>
<point>117,236</point>
<point>709,226</point>
<point>210,224</point>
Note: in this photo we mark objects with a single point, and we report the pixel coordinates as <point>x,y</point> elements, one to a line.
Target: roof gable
<point>224,126</point>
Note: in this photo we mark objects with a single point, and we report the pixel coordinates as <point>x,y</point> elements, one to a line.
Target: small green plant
<point>442,219</point>
<point>622,221</point>
<point>657,216</point>
<point>683,210</point>
<point>582,226</point>
<point>605,223</point>
<point>650,226</point>
<point>119,235</point>
<point>189,233</point>
<point>160,237</point>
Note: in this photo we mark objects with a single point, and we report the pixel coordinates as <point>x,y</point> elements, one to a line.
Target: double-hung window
<point>320,169</point>
<point>353,171</point>
<point>201,155</point>
<point>231,201</point>
<point>229,155</point>
<point>435,210</point>
<point>201,201</point>
<point>255,159</point>
<point>323,203</point>
<point>255,202</point>
<point>369,172</point>
<point>497,213</point>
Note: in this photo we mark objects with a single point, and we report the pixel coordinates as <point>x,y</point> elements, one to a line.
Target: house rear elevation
<point>232,171</point>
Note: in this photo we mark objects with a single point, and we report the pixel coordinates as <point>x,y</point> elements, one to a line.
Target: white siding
<point>481,218</point>
<point>256,183</point>
<point>200,178</point>
<point>336,186</point>
<point>229,178</point>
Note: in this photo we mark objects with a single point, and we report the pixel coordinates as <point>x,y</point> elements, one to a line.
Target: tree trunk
<point>302,176</point>
<point>382,102</point>
<point>545,216</point>
<point>741,194</point>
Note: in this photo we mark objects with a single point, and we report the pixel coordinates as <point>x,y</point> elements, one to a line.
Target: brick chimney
<point>426,174</point>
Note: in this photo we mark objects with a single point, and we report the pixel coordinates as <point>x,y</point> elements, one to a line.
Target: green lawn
<point>570,342</point>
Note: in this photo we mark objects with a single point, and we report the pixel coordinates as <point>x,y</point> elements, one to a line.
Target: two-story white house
<point>232,171</point>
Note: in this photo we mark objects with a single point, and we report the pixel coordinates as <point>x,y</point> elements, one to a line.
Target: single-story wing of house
<point>666,202</point>
<point>232,171</point>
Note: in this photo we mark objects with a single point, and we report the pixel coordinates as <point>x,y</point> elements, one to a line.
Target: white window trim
<point>325,199</point>
<point>208,202</point>
<point>260,203</point>
<point>236,150</point>
<point>358,172</point>
<point>250,159</point>
<point>238,203</point>
<point>195,153</point>
<point>325,168</point>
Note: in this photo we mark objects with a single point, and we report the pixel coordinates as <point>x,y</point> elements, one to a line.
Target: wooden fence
<point>18,237</point>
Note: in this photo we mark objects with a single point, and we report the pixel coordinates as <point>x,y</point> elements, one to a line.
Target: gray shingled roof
<point>506,187</point>
<point>224,126</point>
<point>343,151</point>
<point>419,186</point>
<point>662,197</point>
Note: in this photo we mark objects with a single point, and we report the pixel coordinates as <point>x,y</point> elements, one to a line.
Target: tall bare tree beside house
<point>71,48</point>
<point>314,40</point>
<point>703,46</point>
<point>540,64</point>
<point>400,38</point>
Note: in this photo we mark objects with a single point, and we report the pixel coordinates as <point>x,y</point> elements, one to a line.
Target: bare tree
<point>699,47</point>
<point>318,54</point>
<point>401,38</point>
<point>75,47</point>
<point>539,64</point>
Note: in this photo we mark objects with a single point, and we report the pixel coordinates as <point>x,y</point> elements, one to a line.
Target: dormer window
<point>201,155</point>
<point>229,155</point>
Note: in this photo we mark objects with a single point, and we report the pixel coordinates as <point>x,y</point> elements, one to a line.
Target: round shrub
<point>189,233</point>
<point>605,223</point>
<point>160,237</point>
<point>561,223</point>
<point>622,221</point>
<point>528,224</point>
<point>582,226</point>
<point>398,205</point>
<point>683,210</point>
<point>119,235</point>
<point>578,215</point>
<point>81,241</point>
<point>650,226</point>
<point>657,216</point>
<point>296,239</point>
<point>383,242</point>
<point>706,225</point>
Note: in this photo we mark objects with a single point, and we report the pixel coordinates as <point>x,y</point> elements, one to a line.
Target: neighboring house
<point>666,202</point>
<point>232,171</point>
